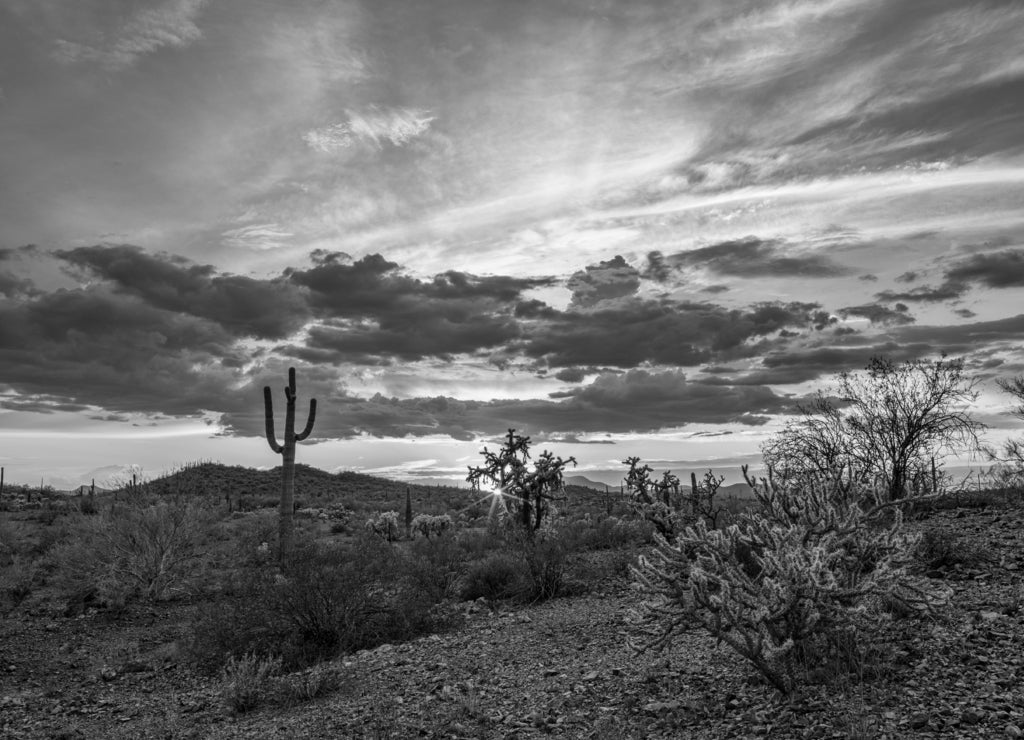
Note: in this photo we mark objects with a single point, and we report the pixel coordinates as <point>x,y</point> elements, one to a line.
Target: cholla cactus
<point>528,490</point>
<point>428,525</point>
<point>651,499</point>
<point>385,526</point>
<point>783,586</point>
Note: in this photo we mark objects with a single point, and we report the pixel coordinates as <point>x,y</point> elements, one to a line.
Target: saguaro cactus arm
<point>268,408</point>
<point>309,422</point>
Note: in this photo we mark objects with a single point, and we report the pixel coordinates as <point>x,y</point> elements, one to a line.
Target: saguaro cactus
<point>287,452</point>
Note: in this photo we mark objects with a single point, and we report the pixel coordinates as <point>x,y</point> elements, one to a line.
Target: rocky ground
<point>561,669</point>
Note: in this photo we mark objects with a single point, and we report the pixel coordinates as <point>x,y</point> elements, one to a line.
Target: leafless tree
<point>888,422</point>
<point>1010,458</point>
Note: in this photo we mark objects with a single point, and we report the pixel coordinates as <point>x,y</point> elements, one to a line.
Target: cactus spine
<point>287,452</point>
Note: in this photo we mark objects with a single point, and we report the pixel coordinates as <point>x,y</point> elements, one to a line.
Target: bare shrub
<point>141,550</point>
<point>326,601</point>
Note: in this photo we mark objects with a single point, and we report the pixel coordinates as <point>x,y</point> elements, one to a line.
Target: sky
<point>624,228</point>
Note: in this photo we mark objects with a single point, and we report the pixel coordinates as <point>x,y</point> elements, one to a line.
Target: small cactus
<point>287,452</point>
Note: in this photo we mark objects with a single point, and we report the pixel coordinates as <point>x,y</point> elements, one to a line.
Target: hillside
<point>248,488</point>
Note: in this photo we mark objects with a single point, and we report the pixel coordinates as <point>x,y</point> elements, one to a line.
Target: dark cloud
<point>907,277</point>
<point>947,291</point>
<point>372,311</point>
<point>962,339</point>
<point>572,374</point>
<point>798,366</point>
<point>878,313</point>
<point>607,280</point>
<point>868,278</point>
<point>656,268</point>
<point>965,313</point>
<point>683,334</point>
<point>101,348</point>
<point>267,309</point>
<point>753,257</point>
<point>11,284</point>
<point>1003,269</point>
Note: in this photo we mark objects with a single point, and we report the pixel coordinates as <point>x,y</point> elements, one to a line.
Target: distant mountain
<point>107,477</point>
<point>583,482</point>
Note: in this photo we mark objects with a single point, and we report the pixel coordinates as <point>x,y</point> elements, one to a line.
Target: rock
<point>1012,731</point>
<point>919,720</point>
<point>592,676</point>
<point>971,717</point>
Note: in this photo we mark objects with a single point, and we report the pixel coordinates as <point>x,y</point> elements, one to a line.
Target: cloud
<point>372,310</point>
<point>372,128</point>
<point>947,291</point>
<point>98,347</point>
<point>999,269</point>
<point>256,236</point>
<point>878,313</point>
<point>267,309</point>
<point>171,23</point>
<point>608,280</point>
<point>662,331</point>
<point>1004,269</point>
<point>754,257</point>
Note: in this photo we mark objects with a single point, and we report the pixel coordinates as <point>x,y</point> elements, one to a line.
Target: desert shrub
<point>246,681</point>
<point>607,533</point>
<point>494,577</point>
<point>542,564</point>
<point>17,580</point>
<point>437,563</point>
<point>328,600</point>
<point>477,543</point>
<point>308,684</point>
<point>528,568</point>
<point>87,505</point>
<point>938,549</point>
<point>792,585</point>
<point>141,550</point>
